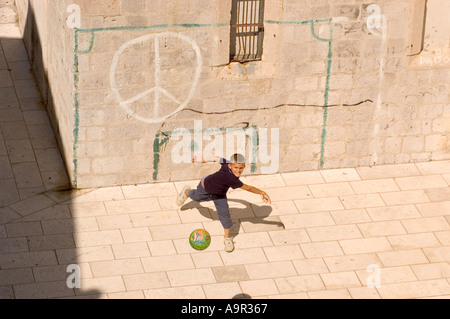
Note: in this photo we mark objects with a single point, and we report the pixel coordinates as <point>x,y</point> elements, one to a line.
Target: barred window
<point>247,30</point>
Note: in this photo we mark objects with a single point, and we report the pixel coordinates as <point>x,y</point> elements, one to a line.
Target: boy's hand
<point>255,190</point>
<point>266,198</point>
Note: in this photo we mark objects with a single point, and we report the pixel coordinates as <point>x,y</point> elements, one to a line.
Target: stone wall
<point>50,46</point>
<point>335,79</point>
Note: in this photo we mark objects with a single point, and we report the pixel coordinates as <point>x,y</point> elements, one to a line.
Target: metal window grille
<point>247,30</point>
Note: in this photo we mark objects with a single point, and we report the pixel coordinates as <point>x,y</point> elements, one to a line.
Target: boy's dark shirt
<point>219,182</point>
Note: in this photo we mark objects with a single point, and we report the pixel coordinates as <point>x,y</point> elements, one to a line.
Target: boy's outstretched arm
<point>255,190</point>
<point>196,159</point>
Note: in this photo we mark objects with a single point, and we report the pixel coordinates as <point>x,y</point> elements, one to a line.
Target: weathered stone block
<point>413,144</point>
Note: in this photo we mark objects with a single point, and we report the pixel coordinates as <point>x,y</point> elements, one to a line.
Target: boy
<point>215,186</point>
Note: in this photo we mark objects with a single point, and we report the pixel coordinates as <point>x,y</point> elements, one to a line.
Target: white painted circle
<point>157,89</point>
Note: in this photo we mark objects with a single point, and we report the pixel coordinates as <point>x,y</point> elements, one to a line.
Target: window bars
<point>247,30</point>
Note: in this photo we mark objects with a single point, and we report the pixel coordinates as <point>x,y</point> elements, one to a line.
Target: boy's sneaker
<point>181,198</point>
<point>229,245</point>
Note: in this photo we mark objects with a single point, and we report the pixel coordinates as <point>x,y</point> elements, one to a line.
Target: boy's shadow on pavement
<point>240,215</point>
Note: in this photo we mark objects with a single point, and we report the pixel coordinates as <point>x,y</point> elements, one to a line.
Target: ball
<point>200,239</point>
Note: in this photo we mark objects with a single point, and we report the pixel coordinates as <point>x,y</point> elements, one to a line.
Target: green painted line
<point>255,144</point>
<point>194,25</point>
<point>287,22</point>
<point>329,64</point>
<point>327,93</point>
<point>76,134</point>
<point>155,26</point>
<point>76,129</point>
<point>91,43</point>
<point>157,144</point>
<point>296,22</point>
<point>313,31</point>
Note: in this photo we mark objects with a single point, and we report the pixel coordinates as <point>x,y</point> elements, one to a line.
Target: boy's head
<point>237,164</point>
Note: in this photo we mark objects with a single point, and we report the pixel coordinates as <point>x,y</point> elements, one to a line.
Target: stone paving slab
<point>366,232</point>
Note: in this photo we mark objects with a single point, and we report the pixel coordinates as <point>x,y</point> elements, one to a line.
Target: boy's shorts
<point>220,201</point>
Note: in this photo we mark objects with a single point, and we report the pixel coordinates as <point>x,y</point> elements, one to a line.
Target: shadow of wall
<point>47,52</point>
<point>39,254</point>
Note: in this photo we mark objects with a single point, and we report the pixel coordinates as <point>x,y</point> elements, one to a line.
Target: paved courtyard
<point>368,232</point>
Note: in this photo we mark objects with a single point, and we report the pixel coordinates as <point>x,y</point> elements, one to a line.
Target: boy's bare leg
<point>227,233</point>
<point>187,192</point>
